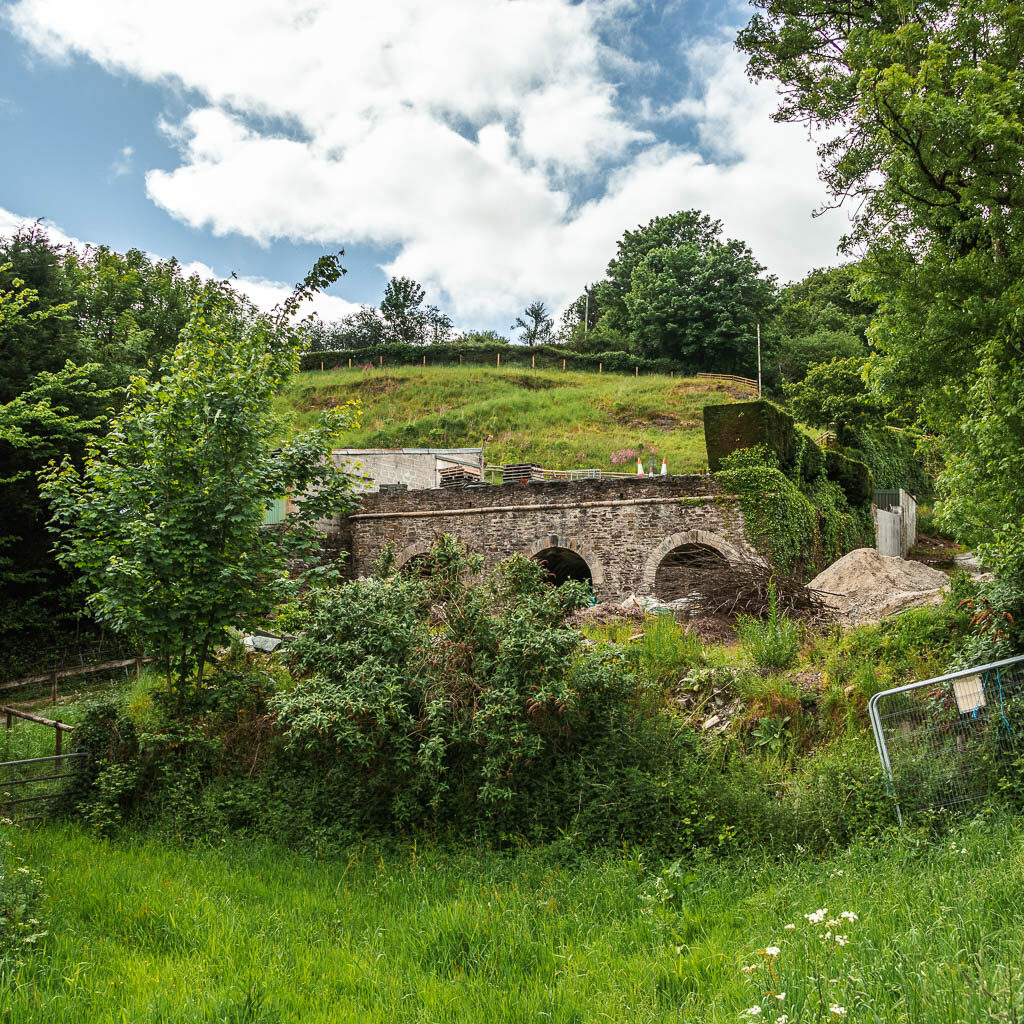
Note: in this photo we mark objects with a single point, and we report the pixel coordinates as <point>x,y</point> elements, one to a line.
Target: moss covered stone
<point>728,428</point>
<point>852,476</point>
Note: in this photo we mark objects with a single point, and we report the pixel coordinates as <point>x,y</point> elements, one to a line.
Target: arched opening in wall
<point>678,571</point>
<point>564,565</point>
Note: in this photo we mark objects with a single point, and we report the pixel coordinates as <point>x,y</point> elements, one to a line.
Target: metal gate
<point>37,786</point>
<point>950,741</point>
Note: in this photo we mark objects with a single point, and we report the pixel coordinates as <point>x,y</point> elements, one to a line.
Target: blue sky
<point>494,150</point>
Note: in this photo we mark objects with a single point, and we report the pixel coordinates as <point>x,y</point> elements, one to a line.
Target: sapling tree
<point>164,521</point>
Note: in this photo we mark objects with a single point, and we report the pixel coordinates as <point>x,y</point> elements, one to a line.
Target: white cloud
<point>266,294</point>
<point>457,131</point>
<point>122,164</point>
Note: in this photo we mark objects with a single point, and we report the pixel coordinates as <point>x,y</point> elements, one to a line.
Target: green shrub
<point>772,642</point>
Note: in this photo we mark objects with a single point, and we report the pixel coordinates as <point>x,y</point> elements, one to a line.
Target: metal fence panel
<point>890,533</point>
<point>950,741</point>
<point>37,787</point>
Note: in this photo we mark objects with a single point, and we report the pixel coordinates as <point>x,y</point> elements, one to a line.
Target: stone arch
<point>575,545</point>
<point>417,547</point>
<point>684,538</point>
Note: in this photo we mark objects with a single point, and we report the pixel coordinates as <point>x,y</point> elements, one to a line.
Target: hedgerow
<point>544,356</point>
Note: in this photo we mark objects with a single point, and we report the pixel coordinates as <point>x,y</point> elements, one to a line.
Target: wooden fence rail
<point>58,727</point>
<point>731,378</point>
<point>74,670</point>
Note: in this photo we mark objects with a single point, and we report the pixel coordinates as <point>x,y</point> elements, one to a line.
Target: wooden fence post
<point>499,360</point>
<point>563,364</point>
<point>350,362</point>
<point>424,360</point>
<point>460,359</point>
<point>637,374</point>
<point>533,362</point>
<point>382,362</point>
<point>321,366</point>
<point>600,367</point>
<point>57,742</point>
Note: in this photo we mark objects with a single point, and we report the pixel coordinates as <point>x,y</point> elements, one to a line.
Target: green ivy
<point>799,528</point>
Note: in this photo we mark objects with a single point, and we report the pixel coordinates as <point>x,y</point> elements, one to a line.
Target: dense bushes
<point>444,705</point>
<point>545,356</point>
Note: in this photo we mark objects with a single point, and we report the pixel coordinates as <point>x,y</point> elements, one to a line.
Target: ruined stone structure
<point>623,535</point>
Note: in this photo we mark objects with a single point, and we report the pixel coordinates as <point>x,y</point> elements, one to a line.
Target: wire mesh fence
<point>949,742</point>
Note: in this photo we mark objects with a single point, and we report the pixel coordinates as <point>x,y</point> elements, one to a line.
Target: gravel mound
<point>864,586</point>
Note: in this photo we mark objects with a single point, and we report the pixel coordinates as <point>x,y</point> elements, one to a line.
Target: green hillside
<point>561,420</point>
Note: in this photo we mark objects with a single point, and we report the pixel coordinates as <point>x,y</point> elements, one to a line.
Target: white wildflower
<point>772,951</point>
<point>783,1018</point>
<point>24,871</point>
<point>789,927</point>
<point>750,969</point>
<point>839,1011</point>
<point>848,915</point>
<point>832,923</point>
<point>754,1011</point>
<point>780,996</point>
<point>841,940</point>
<point>818,916</point>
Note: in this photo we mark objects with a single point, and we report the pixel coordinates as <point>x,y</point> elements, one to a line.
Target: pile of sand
<point>864,586</point>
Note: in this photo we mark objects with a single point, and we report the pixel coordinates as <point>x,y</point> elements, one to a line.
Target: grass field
<point>139,932</point>
<point>560,420</point>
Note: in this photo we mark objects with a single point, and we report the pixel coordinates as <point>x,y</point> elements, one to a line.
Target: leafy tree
<point>537,324</point>
<point>38,330</point>
<point>439,326</point>
<point>405,319</point>
<point>686,228</point>
<point>699,303</point>
<point>49,414</point>
<point>789,358</point>
<point>923,103</point>
<point>164,522</point>
<point>823,301</point>
<point>129,309</point>
<point>836,392</point>
<point>580,317</point>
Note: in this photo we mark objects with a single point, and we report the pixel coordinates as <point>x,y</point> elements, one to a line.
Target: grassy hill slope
<point>561,420</point>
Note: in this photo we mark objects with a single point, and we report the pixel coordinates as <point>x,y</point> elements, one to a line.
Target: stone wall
<point>622,529</point>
